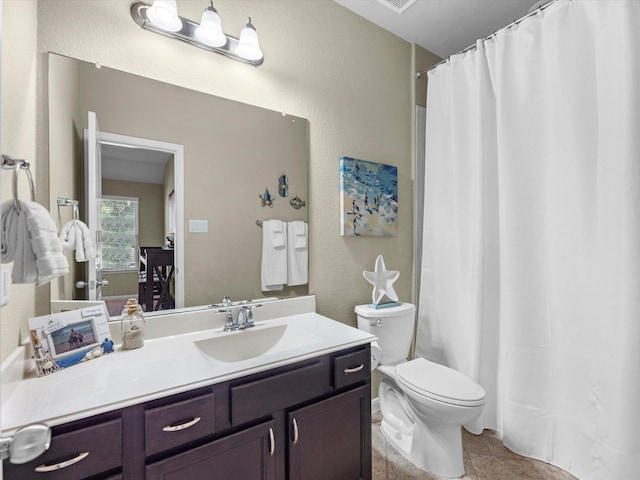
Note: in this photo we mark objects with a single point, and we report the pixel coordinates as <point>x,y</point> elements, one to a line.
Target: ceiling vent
<point>398,6</point>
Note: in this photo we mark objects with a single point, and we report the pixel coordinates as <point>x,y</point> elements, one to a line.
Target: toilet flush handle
<point>378,323</point>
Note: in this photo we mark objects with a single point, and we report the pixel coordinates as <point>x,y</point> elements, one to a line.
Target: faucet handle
<point>247,317</point>
<point>226,301</point>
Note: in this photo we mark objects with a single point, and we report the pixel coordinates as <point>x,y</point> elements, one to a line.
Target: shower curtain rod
<point>473,46</point>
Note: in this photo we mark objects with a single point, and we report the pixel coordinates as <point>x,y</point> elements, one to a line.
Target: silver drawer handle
<point>354,369</point>
<point>272,443</point>
<point>182,426</point>
<point>65,464</point>
<point>295,431</point>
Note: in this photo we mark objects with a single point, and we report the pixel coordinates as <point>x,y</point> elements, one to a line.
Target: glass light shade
<point>210,30</point>
<point>164,14</point>
<point>248,46</point>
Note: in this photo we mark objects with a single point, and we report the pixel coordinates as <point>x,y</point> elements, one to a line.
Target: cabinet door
<point>248,454</point>
<point>331,439</point>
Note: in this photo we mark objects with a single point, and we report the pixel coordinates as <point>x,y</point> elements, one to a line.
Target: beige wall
<point>355,86</point>
<point>18,139</point>
<point>423,60</point>
<point>65,148</point>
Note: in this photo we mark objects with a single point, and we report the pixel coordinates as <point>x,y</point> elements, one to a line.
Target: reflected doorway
<point>134,190</point>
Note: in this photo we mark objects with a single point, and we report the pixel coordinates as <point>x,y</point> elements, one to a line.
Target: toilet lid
<point>439,383</point>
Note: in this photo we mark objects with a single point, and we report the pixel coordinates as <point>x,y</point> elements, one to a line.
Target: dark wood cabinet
<point>248,454</point>
<point>331,439</point>
<point>306,421</point>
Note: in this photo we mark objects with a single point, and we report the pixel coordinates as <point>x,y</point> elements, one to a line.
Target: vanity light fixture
<point>162,18</point>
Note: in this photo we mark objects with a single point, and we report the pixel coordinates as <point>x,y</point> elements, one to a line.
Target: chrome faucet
<point>243,320</point>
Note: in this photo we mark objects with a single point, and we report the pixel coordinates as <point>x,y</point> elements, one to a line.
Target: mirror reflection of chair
<point>154,278</point>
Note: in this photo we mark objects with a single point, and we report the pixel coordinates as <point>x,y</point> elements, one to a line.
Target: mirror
<point>233,152</point>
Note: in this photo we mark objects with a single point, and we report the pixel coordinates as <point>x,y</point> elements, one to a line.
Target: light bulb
<point>210,31</point>
<point>248,46</point>
<point>164,14</point>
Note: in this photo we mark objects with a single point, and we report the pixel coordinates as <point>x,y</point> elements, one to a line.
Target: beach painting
<point>368,198</point>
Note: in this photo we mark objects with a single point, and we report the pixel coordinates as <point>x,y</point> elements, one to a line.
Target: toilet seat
<point>439,383</point>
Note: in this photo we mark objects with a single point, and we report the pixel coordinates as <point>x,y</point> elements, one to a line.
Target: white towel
<point>75,236</point>
<point>274,255</point>
<point>30,241</point>
<point>16,247</point>
<point>297,253</point>
<point>300,234</point>
<point>277,233</point>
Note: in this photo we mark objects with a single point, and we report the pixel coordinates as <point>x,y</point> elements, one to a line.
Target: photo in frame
<point>62,339</point>
<point>368,198</point>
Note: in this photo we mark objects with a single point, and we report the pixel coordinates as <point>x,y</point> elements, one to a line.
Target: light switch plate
<point>198,226</point>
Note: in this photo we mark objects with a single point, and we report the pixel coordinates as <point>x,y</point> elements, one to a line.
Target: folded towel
<point>75,236</point>
<point>299,234</point>
<point>274,255</point>
<point>30,241</point>
<point>277,233</point>
<point>297,256</point>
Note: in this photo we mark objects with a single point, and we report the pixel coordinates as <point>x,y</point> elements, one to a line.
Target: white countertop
<point>163,366</point>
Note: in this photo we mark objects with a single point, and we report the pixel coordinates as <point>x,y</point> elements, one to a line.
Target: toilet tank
<point>393,326</point>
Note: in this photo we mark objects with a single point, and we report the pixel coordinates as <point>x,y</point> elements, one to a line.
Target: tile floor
<point>485,458</point>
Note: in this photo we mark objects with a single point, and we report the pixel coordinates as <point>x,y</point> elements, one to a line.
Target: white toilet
<point>423,404</point>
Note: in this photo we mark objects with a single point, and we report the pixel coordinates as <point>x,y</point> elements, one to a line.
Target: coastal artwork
<point>368,198</point>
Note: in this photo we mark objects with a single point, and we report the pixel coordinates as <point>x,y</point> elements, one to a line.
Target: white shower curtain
<point>531,246</point>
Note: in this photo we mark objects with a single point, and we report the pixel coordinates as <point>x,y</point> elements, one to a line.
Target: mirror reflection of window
<point>119,221</point>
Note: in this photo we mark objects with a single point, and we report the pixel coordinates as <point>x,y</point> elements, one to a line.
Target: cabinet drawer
<point>76,455</point>
<point>178,423</point>
<point>263,397</point>
<point>351,368</point>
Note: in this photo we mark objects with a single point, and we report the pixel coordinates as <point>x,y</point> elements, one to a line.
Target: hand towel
<point>300,234</point>
<point>297,253</point>
<point>274,255</point>
<point>277,233</point>
<point>30,240</point>
<point>75,236</point>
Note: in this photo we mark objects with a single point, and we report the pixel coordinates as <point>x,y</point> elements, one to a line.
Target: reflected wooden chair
<point>154,280</point>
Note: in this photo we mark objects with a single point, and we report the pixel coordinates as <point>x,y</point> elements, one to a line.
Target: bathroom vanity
<point>297,410</point>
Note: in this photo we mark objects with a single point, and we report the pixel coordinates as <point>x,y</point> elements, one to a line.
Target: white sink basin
<point>254,342</point>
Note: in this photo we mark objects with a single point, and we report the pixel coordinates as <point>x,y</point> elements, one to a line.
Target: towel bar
<point>67,202</point>
<point>16,164</point>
